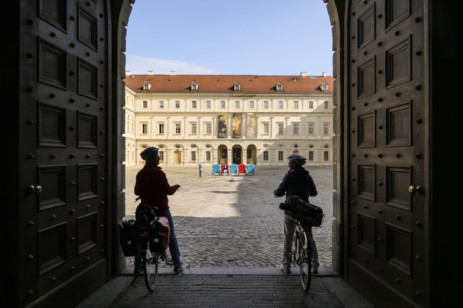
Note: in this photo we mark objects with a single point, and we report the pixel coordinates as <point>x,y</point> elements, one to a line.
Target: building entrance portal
<point>178,158</point>
<point>237,156</point>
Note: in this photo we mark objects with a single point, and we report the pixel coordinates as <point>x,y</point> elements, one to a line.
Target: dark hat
<point>296,156</point>
<point>148,152</point>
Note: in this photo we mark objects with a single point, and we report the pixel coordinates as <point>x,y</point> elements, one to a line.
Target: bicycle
<point>147,239</point>
<point>302,254</point>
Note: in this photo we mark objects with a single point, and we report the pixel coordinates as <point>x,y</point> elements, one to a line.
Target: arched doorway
<point>372,97</point>
<point>251,154</point>
<point>237,154</point>
<point>222,154</point>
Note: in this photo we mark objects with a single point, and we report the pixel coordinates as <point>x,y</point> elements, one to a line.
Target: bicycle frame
<point>302,254</point>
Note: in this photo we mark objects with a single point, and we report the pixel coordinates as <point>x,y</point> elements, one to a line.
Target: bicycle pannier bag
<point>128,237</point>
<point>308,214</point>
<point>159,234</point>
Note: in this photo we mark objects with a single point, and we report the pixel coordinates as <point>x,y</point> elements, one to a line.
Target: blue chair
<point>215,169</point>
<point>233,169</point>
<point>250,169</point>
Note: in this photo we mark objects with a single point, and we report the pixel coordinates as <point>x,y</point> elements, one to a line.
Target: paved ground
<point>230,236</point>
<point>234,221</point>
<point>230,291</point>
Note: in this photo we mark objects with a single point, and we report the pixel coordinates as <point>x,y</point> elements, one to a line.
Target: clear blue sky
<point>244,37</point>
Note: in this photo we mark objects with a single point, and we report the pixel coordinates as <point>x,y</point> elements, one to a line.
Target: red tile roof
<point>224,83</point>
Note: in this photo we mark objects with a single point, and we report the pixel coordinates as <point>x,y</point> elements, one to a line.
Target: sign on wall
<point>236,125</point>
<point>251,125</point>
<point>222,125</point>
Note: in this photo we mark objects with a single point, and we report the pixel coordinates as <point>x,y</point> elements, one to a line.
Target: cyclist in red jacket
<point>153,188</point>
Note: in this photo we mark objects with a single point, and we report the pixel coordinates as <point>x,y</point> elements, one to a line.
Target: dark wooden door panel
<point>386,210</point>
<point>63,141</point>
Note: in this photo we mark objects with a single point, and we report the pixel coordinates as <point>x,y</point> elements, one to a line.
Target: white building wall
<point>144,111</point>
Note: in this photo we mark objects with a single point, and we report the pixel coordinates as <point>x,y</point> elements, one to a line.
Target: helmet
<point>297,159</point>
<point>148,152</point>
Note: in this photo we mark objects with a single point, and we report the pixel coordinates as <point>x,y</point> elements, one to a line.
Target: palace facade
<point>229,118</point>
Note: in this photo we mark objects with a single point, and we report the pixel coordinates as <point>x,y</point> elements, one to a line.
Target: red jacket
<point>152,187</point>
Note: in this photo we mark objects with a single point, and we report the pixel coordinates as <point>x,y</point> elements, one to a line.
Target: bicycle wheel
<point>150,269</point>
<point>305,265</point>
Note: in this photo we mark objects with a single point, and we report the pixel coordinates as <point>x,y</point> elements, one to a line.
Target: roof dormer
<point>194,85</point>
<point>236,86</point>
<point>146,85</point>
<point>324,86</point>
<point>279,86</point>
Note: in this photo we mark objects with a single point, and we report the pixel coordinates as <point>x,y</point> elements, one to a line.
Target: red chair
<point>224,169</point>
<point>241,169</point>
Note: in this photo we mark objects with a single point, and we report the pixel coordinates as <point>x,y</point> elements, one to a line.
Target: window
<point>193,104</point>
<point>327,104</point>
<point>310,155</point>
<point>194,86</point>
<point>326,129</point>
<point>311,104</point>
<point>295,128</point>
<point>237,104</point>
<point>266,128</point>
<point>280,128</point>
<point>265,155</point>
<point>265,104</point>
<point>296,104</point>
<point>145,104</point>
<point>222,104</point>
<point>161,155</point>
<point>208,128</point>
<point>280,155</point>
<point>193,128</point>
<point>161,104</point>
<point>161,128</point>
<point>279,86</point>
<point>177,104</point>
<point>193,155</point>
<point>236,86</point>
<point>144,128</point>
<point>326,156</point>
<point>280,104</point>
<point>311,129</point>
<point>251,104</point>
<point>208,104</point>
<point>208,155</point>
<point>177,128</point>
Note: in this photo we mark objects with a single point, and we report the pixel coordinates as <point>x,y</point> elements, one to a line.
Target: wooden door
<point>386,200</point>
<point>178,157</point>
<point>63,172</point>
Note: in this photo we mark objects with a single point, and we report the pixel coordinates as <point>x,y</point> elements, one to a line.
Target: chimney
<point>172,73</point>
<point>150,72</point>
<point>324,74</point>
<point>303,74</point>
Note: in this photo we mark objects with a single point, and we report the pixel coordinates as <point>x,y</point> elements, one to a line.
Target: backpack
<point>309,215</point>
<point>144,216</point>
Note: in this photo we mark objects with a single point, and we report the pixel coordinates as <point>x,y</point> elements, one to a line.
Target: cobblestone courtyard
<point>234,221</point>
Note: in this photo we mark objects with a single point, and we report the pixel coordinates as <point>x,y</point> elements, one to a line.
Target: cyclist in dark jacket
<point>152,187</point>
<point>297,181</point>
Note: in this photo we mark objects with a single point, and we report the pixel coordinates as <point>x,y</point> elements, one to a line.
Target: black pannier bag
<point>309,215</point>
<point>128,237</point>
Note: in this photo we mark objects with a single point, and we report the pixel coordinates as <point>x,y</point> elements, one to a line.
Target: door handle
<point>415,189</point>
